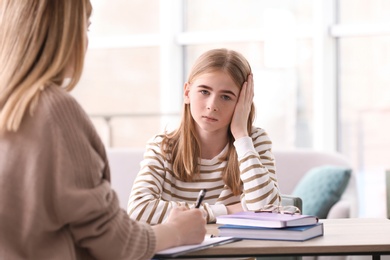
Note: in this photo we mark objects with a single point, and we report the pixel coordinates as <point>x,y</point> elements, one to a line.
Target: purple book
<point>266,219</point>
<point>300,233</point>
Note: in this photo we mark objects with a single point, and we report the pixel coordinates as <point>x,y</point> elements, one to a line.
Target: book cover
<point>266,219</point>
<point>300,233</point>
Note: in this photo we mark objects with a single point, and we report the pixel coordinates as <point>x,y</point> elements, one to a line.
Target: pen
<point>200,198</point>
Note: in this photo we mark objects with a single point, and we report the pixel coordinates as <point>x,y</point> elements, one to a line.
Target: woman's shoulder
<point>62,109</point>
<point>59,100</point>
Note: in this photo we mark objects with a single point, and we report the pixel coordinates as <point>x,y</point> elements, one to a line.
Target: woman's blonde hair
<point>183,145</point>
<point>40,40</point>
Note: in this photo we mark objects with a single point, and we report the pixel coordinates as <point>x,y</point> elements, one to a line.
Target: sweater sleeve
<point>83,200</point>
<point>146,202</point>
<point>257,170</point>
<point>156,191</point>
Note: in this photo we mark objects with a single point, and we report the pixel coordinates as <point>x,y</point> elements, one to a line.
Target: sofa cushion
<point>321,187</point>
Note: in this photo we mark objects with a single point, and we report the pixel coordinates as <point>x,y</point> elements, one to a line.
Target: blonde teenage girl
<point>216,147</point>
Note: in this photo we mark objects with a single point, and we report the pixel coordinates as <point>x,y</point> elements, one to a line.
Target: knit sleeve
<point>156,190</point>
<point>83,200</point>
<point>257,170</point>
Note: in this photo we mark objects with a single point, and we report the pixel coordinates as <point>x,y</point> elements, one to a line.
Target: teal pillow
<point>320,188</point>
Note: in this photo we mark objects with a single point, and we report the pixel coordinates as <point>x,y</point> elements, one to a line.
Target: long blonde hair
<point>39,41</point>
<point>183,145</point>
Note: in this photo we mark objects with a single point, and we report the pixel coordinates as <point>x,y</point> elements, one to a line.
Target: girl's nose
<point>212,104</point>
<point>209,108</point>
<point>212,107</point>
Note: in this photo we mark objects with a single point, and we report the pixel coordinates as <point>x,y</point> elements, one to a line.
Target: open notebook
<point>207,242</point>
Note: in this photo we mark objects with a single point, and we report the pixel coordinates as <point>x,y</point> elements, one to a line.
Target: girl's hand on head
<point>238,126</point>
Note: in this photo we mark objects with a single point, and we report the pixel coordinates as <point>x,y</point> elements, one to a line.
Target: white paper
<point>207,242</point>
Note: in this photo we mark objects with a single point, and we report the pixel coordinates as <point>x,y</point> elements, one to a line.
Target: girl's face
<point>212,98</point>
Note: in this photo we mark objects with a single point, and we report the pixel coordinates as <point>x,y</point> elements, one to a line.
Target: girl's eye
<point>224,97</point>
<point>204,92</point>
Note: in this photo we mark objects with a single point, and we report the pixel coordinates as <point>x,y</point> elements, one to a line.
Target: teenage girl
<point>216,147</point>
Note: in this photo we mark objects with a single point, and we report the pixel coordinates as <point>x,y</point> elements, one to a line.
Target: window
<point>364,78</point>
<point>120,86</point>
<point>321,71</point>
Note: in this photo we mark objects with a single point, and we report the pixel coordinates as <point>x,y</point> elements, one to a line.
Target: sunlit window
<point>321,71</point>
<point>365,96</point>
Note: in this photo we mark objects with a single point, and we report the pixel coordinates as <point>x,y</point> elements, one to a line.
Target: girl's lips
<point>210,118</point>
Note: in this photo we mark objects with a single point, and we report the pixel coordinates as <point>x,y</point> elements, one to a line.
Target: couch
<point>291,166</point>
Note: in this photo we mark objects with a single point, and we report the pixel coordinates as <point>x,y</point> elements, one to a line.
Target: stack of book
<point>269,226</point>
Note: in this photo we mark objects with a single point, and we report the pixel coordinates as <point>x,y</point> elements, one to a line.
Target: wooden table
<point>357,236</point>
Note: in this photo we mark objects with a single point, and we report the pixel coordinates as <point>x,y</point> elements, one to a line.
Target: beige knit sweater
<point>55,196</point>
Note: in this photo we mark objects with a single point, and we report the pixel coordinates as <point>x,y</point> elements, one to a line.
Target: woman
<point>216,147</point>
<point>55,195</point>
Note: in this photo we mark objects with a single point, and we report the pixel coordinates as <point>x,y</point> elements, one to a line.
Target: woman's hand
<point>238,126</point>
<point>183,227</point>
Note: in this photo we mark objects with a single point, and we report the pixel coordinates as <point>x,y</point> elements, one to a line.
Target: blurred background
<point>321,71</point>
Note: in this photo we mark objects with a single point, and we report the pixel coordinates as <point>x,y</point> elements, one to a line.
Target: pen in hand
<point>200,198</point>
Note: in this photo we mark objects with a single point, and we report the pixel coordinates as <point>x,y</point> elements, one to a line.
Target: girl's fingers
<point>247,91</point>
<point>250,89</point>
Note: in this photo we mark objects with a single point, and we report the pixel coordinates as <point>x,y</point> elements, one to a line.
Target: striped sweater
<point>156,190</point>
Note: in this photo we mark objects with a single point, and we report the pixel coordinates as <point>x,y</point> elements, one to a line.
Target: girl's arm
<point>257,170</point>
<point>145,202</point>
<point>256,161</point>
<point>154,193</point>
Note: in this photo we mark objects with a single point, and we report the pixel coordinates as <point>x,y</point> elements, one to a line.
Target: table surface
<point>365,236</point>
